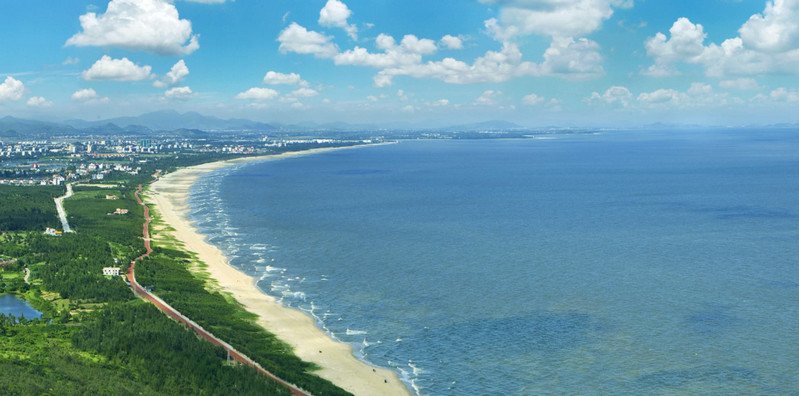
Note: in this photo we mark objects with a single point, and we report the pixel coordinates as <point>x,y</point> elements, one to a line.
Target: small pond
<point>14,306</point>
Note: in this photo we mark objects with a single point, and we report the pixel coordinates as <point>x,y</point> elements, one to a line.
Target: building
<point>111,271</point>
<point>111,197</point>
<point>121,211</point>
<point>52,232</point>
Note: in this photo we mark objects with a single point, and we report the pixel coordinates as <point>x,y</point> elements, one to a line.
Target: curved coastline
<point>336,359</point>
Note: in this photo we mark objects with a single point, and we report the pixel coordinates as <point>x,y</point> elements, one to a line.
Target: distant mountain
<point>170,120</point>
<point>19,128</point>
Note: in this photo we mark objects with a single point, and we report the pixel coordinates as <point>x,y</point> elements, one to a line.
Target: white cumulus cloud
<point>451,42</point>
<point>138,25</point>
<point>613,96</point>
<point>742,84</point>
<point>179,93</point>
<point>107,68</point>
<point>494,66</point>
<point>300,40</point>
<point>39,101</point>
<point>11,89</point>
<point>175,76</point>
<point>573,59</point>
<point>275,78</point>
<point>776,30</point>
<point>488,98</point>
<point>88,95</point>
<point>784,95</point>
<point>768,44</point>
<point>408,52</point>
<point>554,18</point>
<point>258,94</point>
<point>335,14</point>
<point>533,100</point>
<point>304,93</point>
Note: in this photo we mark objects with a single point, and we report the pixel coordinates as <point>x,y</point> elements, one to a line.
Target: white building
<point>111,271</point>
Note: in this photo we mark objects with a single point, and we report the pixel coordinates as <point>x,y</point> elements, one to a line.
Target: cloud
<point>38,101</point>
<point>492,67</point>
<point>784,95</point>
<point>554,18</point>
<point>613,96</point>
<point>304,93</point>
<point>300,40</point>
<point>179,93</point>
<point>207,1</point>
<point>451,42</point>
<point>88,95</point>
<point>440,103</point>
<point>660,96</point>
<point>123,69</point>
<point>11,89</point>
<point>768,44</point>
<point>488,98</point>
<point>685,44</point>
<point>742,84</point>
<point>533,100</point>
<point>138,25</point>
<point>572,59</point>
<point>698,95</point>
<point>408,52</point>
<point>335,14</point>
<point>776,30</point>
<point>258,94</point>
<point>275,78</point>
<point>70,61</point>
<point>175,76</point>
<point>568,56</point>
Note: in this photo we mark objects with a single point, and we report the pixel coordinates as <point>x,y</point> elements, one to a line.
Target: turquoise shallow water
<point>620,263</point>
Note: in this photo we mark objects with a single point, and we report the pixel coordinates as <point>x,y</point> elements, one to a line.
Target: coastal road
<point>59,205</point>
<point>174,314</point>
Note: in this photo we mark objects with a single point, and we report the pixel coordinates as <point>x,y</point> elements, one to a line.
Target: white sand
<point>295,328</point>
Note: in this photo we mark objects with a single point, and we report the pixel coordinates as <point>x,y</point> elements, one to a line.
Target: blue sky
<point>534,62</point>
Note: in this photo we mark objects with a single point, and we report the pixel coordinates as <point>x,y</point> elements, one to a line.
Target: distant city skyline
<point>600,63</point>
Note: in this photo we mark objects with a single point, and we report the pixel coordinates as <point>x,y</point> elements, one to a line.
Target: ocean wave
<point>356,332</point>
<point>293,294</point>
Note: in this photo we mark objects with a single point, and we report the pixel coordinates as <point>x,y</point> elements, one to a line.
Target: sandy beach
<point>168,197</point>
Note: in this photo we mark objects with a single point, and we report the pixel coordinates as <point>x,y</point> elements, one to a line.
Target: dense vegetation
<point>173,360</point>
<point>95,336</point>
<point>28,208</point>
<point>167,271</point>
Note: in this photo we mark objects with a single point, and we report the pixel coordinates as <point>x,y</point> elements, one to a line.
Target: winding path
<point>174,314</point>
<point>62,214</point>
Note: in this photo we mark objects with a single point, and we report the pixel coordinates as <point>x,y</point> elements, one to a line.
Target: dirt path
<point>174,314</point>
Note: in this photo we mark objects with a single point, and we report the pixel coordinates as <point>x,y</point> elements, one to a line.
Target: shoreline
<point>336,360</point>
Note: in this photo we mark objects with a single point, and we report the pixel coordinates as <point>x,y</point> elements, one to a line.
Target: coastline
<point>336,360</point>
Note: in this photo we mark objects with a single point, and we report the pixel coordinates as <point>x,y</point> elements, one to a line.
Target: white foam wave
<point>297,295</point>
<point>356,332</point>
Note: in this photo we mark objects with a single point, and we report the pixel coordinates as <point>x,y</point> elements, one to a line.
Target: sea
<point>618,262</point>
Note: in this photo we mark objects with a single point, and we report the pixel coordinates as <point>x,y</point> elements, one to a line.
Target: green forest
<point>95,336</point>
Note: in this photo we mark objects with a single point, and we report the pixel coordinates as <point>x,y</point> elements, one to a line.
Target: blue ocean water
<point>617,263</point>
